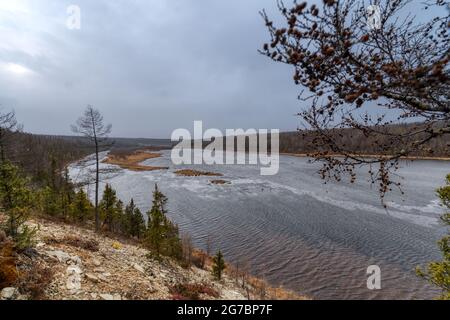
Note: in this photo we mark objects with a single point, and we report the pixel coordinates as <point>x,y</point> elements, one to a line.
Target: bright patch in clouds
<point>14,6</point>
<point>17,69</point>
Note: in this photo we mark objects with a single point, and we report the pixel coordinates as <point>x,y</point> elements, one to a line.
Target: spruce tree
<point>118,218</point>
<point>134,223</point>
<point>156,230</point>
<point>50,201</point>
<point>128,218</point>
<point>67,194</point>
<point>138,224</point>
<point>218,265</point>
<point>162,235</point>
<point>108,207</point>
<point>81,208</point>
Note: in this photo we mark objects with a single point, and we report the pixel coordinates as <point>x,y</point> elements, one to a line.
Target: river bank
<point>73,262</point>
<point>306,155</point>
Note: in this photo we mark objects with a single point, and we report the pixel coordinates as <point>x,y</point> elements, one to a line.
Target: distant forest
<point>355,141</point>
<point>39,155</point>
<point>36,154</point>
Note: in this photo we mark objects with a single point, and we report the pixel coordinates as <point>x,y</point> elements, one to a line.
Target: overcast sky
<point>150,66</point>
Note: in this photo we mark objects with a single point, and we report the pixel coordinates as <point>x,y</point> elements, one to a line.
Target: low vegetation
<point>196,173</point>
<point>192,291</point>
<point>219,181</point>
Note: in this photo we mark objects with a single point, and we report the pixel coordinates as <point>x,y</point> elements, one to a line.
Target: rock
<point>92,277</point>
<point>139,268</point>
<point>40,244</point>
<point>73,282</point>
<point>106,296</point>
<point>30,253</point>
<point>61,256</point>
<point>94,295</point>
<point>96,262</point>
<point>99,270</point>
<point>104,276</point>
<point>74,270</point>
<point>76,260</point>
<point>8,293</point>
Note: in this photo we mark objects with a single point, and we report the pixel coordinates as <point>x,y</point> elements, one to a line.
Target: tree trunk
<point>2,147</point>
<point>97,215</point>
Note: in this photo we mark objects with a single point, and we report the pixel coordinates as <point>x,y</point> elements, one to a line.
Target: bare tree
<point>91,126</point>
<point>8,127</point>
<point>187,248</point>
<point>366,65</point>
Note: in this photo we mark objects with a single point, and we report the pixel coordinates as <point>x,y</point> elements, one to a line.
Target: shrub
<point>192,291</point>
<point>86,244</point>
<point>34,280</point>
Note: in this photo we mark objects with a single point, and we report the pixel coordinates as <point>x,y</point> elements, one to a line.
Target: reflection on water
<point>296,231</point>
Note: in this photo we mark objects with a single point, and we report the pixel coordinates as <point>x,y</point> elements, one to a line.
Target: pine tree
<point>15,201</point>
<point>218,265</point>
<point>162,235</point>
<point>438,272</point>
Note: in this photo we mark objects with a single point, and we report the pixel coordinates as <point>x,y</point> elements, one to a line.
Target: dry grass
<point>258,288</point>
<point>131,160</point>
<point>34,279</point>
<point>86,244</point>
<point>195,173</point>
<point>192,291</point>
<point>8,261</point>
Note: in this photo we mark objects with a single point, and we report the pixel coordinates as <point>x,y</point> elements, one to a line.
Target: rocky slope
<point>71,262</point>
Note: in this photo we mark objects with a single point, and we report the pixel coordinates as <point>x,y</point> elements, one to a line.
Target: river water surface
<point>293,230</point>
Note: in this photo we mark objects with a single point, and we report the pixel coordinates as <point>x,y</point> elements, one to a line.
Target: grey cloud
<point>149,66</point>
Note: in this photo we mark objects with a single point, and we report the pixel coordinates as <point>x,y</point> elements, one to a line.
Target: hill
<point>75,263</point>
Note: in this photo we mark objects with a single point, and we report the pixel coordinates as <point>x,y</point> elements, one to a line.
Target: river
<point>295,231</point>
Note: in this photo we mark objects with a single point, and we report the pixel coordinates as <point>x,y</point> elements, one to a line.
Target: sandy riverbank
<point>132,160</point>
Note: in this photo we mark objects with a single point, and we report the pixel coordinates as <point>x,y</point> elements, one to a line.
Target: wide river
<point>295,231</point>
